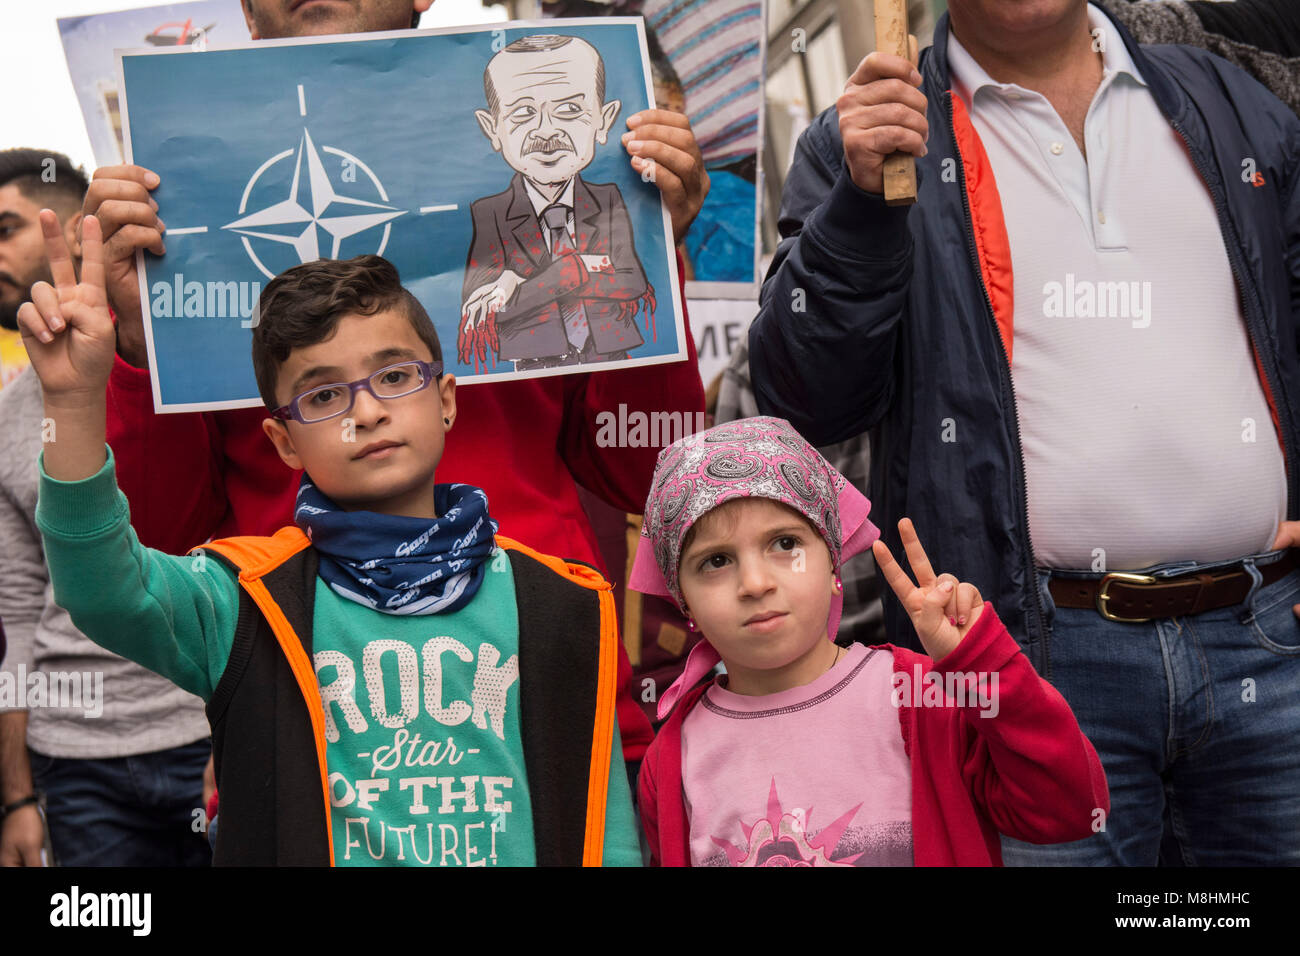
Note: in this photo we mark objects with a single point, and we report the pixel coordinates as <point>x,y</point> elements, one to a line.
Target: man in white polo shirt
<point>1077,353</point>
<point>1130,350</point>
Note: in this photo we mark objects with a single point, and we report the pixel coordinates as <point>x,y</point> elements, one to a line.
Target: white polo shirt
<point>1146,433</point>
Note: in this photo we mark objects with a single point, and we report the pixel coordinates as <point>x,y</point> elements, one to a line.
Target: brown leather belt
<point>1136,598</point>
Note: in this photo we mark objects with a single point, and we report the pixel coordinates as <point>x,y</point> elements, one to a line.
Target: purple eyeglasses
<point>324,402</point>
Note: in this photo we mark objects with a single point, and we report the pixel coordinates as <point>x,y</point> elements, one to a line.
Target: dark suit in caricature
<point>553,276</point>
<point>508,235</point>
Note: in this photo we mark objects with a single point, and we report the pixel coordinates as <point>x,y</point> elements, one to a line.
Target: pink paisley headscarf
<point>750,458</point>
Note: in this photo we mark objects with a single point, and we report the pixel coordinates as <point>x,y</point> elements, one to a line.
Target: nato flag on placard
<point>283,152</point>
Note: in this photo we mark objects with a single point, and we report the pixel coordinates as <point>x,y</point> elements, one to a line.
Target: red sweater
<point>193,477</point>
<point>1028,772</point>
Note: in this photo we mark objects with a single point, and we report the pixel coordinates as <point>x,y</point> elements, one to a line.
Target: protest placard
<point>484,162</point>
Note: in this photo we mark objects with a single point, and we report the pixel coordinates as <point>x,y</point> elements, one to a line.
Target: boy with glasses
<point>341,737</point>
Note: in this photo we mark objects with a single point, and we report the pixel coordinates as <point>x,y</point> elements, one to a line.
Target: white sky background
<point>38,107</point>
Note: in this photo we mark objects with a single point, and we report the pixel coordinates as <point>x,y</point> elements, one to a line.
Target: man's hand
<point>66,327</point>
<point>881,112</point>
<point>22,832</point>
<point>22,838</point>
<point>119,198</point>
<point>942,609</point>
<point>661,142</point>
<point>1288,536</point>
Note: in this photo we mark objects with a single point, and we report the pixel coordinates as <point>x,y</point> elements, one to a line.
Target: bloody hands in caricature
<point>942,609</point>
<point>478,333</point>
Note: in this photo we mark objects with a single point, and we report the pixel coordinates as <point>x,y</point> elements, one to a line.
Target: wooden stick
<point>632,626</point>
<point>892,37</point>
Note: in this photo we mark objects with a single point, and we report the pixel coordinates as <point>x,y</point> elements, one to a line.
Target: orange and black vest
<point>268,724</point>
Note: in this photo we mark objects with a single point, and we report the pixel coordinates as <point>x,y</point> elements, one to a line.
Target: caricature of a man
<point>552,266</point>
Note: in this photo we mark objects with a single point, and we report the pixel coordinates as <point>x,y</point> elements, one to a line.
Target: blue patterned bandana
<point>400,565</point>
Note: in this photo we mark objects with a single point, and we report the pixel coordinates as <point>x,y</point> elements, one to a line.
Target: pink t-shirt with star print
<point>811,776</point>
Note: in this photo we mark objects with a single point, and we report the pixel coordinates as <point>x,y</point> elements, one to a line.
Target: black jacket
<point>887,318</point>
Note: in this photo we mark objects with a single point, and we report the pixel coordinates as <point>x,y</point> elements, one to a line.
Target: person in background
<point>1018,341</point>
<point>1260,36</point>
<point>23,174</point>
<point>117,751</point>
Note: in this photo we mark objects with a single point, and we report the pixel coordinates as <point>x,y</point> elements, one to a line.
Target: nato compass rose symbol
<point>314,218</point>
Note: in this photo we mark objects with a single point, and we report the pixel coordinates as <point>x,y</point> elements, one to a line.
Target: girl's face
<point>757,579</point>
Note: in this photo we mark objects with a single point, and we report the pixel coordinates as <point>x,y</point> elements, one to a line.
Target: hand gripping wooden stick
<point>892,37</point>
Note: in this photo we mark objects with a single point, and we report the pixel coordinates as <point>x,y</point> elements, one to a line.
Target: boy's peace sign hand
<point>66,327</point>
<point>942,609</point>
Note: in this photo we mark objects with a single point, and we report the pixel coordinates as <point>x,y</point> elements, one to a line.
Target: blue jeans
<point>126,811</point>
<point>1197,724</point>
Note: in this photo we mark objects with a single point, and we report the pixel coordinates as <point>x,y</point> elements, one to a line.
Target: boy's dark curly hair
<point>303,305</point>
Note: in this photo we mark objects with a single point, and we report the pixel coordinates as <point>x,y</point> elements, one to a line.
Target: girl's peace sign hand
<point>66,327</point>
<point>942,609</point>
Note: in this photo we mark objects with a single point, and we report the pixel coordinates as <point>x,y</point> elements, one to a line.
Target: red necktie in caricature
<point>576,329</point>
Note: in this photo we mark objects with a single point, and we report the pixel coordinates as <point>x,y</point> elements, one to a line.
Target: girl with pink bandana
<point>807,753</point>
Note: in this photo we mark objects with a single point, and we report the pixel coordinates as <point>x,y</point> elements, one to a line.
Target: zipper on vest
<point>1009,398</point>
<point>1247,294</point>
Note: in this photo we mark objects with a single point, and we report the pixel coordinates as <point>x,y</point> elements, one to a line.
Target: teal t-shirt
<point>422,734</point>
<point>423,747</point>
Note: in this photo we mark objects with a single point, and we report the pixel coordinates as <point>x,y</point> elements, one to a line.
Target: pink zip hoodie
<point>1028,772</point>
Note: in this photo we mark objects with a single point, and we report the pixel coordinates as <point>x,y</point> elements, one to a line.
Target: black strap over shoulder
<point>559,663</point>
<point>272,807</point>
